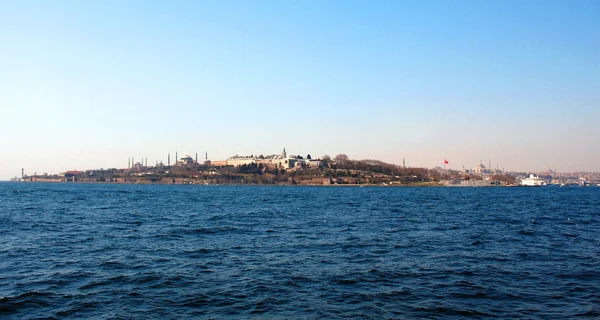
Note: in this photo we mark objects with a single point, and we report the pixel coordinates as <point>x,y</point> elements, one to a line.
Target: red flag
<point>445,161</point>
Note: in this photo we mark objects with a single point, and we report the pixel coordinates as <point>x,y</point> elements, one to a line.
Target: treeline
<point>259,169</point>
<point>342,162</point>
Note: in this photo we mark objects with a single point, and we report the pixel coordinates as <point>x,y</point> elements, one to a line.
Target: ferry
<point>533,181</point>
<point>584,183</point>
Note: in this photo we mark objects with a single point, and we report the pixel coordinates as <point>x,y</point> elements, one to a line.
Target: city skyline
<point>172,159</point>
<point>87,85</point>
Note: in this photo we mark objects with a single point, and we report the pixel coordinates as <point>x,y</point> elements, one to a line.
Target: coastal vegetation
<point>339,170</point>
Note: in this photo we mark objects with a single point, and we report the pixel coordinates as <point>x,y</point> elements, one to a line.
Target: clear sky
<point>87,84</point>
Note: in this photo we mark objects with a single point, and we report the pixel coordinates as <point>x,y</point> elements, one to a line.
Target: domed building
<point>185,161</point>
<point>480,169</point>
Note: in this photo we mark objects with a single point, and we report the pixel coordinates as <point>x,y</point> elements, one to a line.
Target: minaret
<point>146,161</point>
<point>128,162</point>
<point>176,158</point>
<point>403,163</point>
<point>196,157</point>
<point>205,155</point>
<point>169,159</point>
<point>22,173</point>
<point>284,154</point>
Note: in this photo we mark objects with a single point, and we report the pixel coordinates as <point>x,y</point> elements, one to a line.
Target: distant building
<point>186,160</point>
<point>275,161</point>
<point>308,163</point>
<point>237,161</point>
<point>72,175</point>
<point>314,164</point>
<point>480,169</point>
<point>217,163</point>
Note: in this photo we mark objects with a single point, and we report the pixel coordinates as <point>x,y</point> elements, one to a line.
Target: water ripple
<point>146,252</point>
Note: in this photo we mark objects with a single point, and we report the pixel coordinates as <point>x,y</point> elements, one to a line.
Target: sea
<point>118,251</point>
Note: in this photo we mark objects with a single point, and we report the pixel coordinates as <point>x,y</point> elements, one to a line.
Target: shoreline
<point>421,184</point>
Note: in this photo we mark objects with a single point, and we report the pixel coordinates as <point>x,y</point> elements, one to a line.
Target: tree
<point>341,158</point>
<point>326,158</point>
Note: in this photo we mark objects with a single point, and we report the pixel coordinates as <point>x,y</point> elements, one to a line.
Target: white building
<point>280,161</point>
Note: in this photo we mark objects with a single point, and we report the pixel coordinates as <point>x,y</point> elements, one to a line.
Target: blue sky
<point>87,84</point>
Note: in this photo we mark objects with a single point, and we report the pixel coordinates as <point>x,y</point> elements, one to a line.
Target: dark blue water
<point>167,251</point>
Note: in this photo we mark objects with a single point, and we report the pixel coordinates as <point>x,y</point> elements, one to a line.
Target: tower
<point>176,158</point>
<point>196,157</point>
<point>205,155</point>
<point>403,163</point>
<point>284,154</point>
<point>169,159</point>
<point>22,173</point>
<point>128,162</point>
<point>146,161</point>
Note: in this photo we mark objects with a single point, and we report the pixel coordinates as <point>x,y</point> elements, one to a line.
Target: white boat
<point>584,183</point>
<point>533,181</point>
